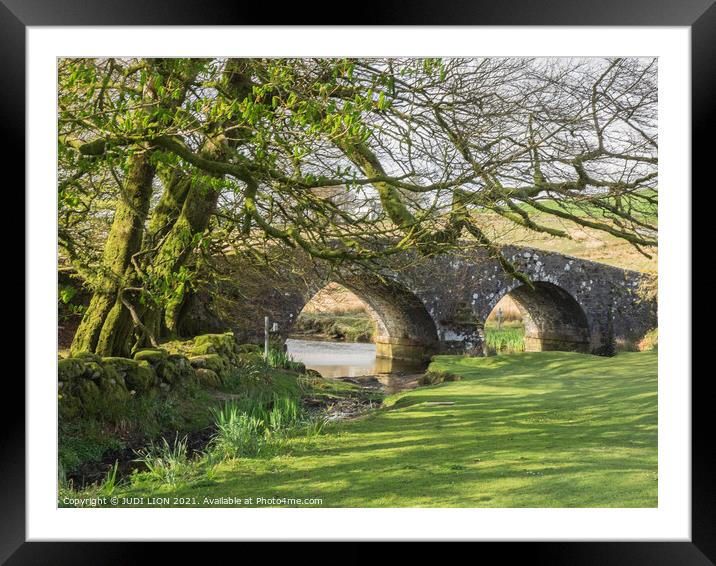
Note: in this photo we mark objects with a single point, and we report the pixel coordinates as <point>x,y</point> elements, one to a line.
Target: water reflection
<point>340,359</point>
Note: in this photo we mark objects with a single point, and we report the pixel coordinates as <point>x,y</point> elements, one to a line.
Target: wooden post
<point>266,337</point>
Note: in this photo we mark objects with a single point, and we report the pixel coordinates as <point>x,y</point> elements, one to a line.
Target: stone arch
<point>553,318</point>
<point>404,329</point>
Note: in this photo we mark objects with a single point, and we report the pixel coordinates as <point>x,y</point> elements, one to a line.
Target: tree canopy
<point>161,160</point>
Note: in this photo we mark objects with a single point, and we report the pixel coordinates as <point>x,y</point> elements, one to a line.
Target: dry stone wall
<point>90,384</point>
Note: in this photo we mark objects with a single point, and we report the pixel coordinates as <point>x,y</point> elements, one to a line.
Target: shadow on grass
<point>525,430</point>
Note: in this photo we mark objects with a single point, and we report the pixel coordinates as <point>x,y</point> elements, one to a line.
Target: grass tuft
<point>166,463</point>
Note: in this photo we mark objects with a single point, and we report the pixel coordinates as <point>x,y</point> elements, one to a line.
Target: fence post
<point>266,337</point>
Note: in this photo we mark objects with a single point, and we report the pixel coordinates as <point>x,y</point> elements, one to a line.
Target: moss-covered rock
<point>176,369</point>
<point>111,373</point>
<point>69,405</point>
<point>122,365</point>
<point>182,347</point>
<point>113,391</point>
<point>70,369</point>
<point>138,375</point>
<point>143,378</point>
<point>89,357</point>
<point>214,362</point>
<point>208,378</point>
<point>93,370</point>
<point>154,356</point>
<point>222,344</point>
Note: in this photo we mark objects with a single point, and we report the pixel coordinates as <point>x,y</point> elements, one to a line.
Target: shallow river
<point>341,359</point>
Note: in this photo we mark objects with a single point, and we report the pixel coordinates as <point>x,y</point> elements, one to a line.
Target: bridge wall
<point>422,306</point>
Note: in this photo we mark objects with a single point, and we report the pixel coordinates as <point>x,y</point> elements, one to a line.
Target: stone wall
<point>90,384</point>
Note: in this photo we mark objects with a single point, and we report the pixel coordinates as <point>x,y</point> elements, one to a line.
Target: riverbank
<point>549,429</point>
<point>340,326</point>
<point>96,445</point>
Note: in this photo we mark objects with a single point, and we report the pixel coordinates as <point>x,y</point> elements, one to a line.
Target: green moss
<point>138,375</point>
<point>250,349</point>
<point>176,369</point>
<point>113,391</point>
<point>89,394</point>
<point>182,347</point>
<point>151,355</point>
<point>89,357</point>
<point>214,362</point>
<point>208,377</point>
<point>103,321</point>
<point>143,379</point>
<point>122,365</point>
<point>94,370</point>
<point>111,373</point>
<point>69,369</point>
<point>69,405</point>
<point>88,331</point>
<point>223,344</point>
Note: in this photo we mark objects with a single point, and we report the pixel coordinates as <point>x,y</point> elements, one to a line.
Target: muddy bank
<point>387,383</point>
<point>373,387</point>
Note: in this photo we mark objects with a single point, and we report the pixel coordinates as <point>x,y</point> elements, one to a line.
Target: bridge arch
<point>404,328</point>
<point>553,318</point>
<point>442,302</point>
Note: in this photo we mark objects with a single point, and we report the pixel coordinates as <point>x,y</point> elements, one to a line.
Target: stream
<point>356,362</point>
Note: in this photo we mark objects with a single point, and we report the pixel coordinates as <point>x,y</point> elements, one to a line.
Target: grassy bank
<point>585,243</point>
<point>349,327</point>
<point>550,429</point>
<point>185,420</point>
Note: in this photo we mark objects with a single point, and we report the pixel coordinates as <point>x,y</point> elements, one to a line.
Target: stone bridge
<point>422,306</point>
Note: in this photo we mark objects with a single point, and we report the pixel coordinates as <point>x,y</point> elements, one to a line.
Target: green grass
<point>258,383</point>
<point>550,429</point>
<point>165,462</point>
<point>509,339</point>
<point>278,359</point>
<point>640,205</point>
<point>586,243</point>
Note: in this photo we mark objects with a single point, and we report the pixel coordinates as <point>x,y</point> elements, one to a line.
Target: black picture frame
<point>699,15</point>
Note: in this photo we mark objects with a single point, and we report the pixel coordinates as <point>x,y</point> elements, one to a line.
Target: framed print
<point>400,280</point>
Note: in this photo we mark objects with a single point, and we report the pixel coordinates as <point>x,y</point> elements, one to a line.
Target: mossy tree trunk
<point>99,327</point>
<point>181,216</point>
<point>107,325</point>
<point>162,220</point>
<point>175,247</point>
